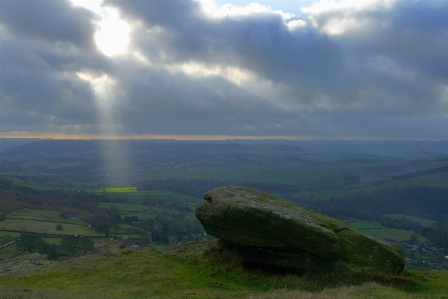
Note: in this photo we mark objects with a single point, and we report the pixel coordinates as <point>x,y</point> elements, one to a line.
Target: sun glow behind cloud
<point>113,34</point>
<point>112,38</point>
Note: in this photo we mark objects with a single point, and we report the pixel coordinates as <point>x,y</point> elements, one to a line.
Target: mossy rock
<point>367,254</point>
<point>266,229</point>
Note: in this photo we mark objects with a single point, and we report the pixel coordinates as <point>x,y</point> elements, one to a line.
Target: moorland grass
<point>195,272</point>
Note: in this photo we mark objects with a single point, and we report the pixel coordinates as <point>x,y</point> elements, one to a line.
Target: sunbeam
<point>115,164</point>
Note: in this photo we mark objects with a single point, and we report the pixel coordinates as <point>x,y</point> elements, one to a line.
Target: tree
<point>69,245</point>
<point>51,251</point>
<point>30,243</point>
<point>73,245</point>
<point>59,227</point>
<point>116,227</point>
<point>102,222</point>
<point>114,212</point>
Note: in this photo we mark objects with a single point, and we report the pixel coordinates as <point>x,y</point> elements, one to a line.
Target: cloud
<point>55,21</point>
<point>343,68</point>
<point>397,50</point>
<point>258,40</point>
<point>41,51</point>
<point>348,70</point>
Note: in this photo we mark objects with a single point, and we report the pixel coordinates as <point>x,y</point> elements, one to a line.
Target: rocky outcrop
<point>24,263</point>
<point>268,230</point>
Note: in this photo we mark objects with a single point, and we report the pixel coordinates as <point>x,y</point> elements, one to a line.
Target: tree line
<point>70,246</point>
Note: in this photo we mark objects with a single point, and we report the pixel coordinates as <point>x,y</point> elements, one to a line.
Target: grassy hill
<point>193,271</point>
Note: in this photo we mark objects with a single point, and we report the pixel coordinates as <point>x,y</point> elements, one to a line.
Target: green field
<point>45,227</point>
<point>124,207</point>
<point>385,233</point>
<point>157,204</point>
<point>436,180</point>
<point>393,234</point>
<point>141,211</point>
<point>13,178</point>
<point>42,215</point>
<point>362,225</point>
<point>422,221</point>
<point>7,236</point>
<point>120,190</point>
<point>44,221</point>
<point>167,195</point>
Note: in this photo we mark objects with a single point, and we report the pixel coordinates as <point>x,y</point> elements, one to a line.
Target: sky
<point>205,69</point>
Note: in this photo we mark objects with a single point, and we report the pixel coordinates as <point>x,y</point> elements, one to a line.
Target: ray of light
<point>116,170</point>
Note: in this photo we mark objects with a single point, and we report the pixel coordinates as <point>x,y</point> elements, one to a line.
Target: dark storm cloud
<point>422,29</point>
<point>42,46</point>
<point>50,20</point>
<point>399,61</point>
<point>172,14</point>
<point>379,70</point>
<point>260,42</point>
<point>412,33</point>
<point>30,85</point>
<point>175,103</point>
<point>309,61</point>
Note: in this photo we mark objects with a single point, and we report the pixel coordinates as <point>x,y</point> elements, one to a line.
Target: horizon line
<point>199,137</point>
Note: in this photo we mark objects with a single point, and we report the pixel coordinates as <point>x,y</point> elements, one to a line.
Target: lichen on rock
<point>266,229</point>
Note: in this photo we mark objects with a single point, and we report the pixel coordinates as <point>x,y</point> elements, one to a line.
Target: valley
<point>146,193</point>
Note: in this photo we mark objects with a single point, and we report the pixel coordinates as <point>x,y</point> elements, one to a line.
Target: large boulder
<point>268,230</point>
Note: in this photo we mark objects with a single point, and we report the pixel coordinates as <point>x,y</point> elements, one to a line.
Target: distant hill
<point>9,143</point>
